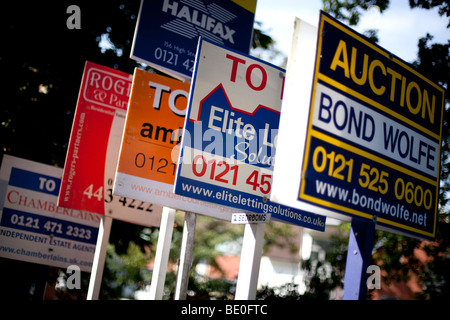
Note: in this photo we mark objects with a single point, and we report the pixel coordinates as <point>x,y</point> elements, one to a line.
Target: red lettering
<point>31,204</point>
<point>236,61</point>
<point>51,207</point>
<point>60,210</point>
<point>248,77</point>
<point>42,205</point>
<point>9,196</point>
<point>23,201</point>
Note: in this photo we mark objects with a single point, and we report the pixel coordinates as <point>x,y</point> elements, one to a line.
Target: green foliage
<point>261,39</point>
<point>285,292</point>
<point>350,10</point>
<point>434,275</point>
<point>281,235</point>
<point>372,35</point>
<point>42,62</point>
<point>209,234</point>
<point>390,253</point>
<point>200,288</point>
<point>442,5</point>
<point>322,277</point>
<point>125,273</point>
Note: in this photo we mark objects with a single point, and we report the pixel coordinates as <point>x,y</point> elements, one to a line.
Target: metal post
<point>359,257</point>
<point>99,258</point>
<point>187,246</point>
<point>162,253</point>
<point>250,261</point>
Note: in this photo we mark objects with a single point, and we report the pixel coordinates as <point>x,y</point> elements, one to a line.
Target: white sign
<point>231,127</point>
<point>33,228</point>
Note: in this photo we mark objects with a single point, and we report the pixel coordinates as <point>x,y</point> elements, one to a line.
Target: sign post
<point>187,246</point>
<point>162,254</point>
<point>359,257</point>
<point>99,258</point>
<point>252,248</point>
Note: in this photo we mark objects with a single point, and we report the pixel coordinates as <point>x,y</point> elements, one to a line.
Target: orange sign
<point>150,145</point>
<point>153,127</point>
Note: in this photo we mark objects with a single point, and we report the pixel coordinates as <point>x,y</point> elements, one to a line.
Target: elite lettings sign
<point>374,134</point>
<point>229,141</point>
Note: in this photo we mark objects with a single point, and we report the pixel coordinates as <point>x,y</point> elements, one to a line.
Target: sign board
<point>150,145</point>
<point>94,149</point>
<point>372,138</point>
<point>228,146</point>
<point>32,227</point>
<point>167,31</point>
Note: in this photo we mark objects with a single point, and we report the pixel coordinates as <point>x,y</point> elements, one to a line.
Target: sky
<point>400,27</point>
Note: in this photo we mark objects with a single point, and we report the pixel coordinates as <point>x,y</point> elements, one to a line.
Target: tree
<point>442,5</point>
<point>350,11</point>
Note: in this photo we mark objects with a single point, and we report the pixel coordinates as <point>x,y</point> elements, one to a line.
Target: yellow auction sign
<point>373,136</point>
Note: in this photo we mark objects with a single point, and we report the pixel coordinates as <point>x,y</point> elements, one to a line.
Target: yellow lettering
<point>402,97</point>
<point>376,63</point>
<point>426,105</point>
<point>416,109</point>
<point>363,77</point>
<point>361,69</point>
<point>395,76</point>
<point>337,62</point>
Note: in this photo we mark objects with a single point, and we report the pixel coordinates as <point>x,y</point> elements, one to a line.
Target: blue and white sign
<point>231,127</point>
<point>32,227</point>
<point>167,31</point>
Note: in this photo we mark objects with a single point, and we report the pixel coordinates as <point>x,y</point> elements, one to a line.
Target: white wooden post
<point>250,261</point>
<point>187,245</point>
<point>162,253</point>
<point>98,264</point>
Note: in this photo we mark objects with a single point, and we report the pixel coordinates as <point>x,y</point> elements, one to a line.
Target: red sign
<point>94,146</point>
